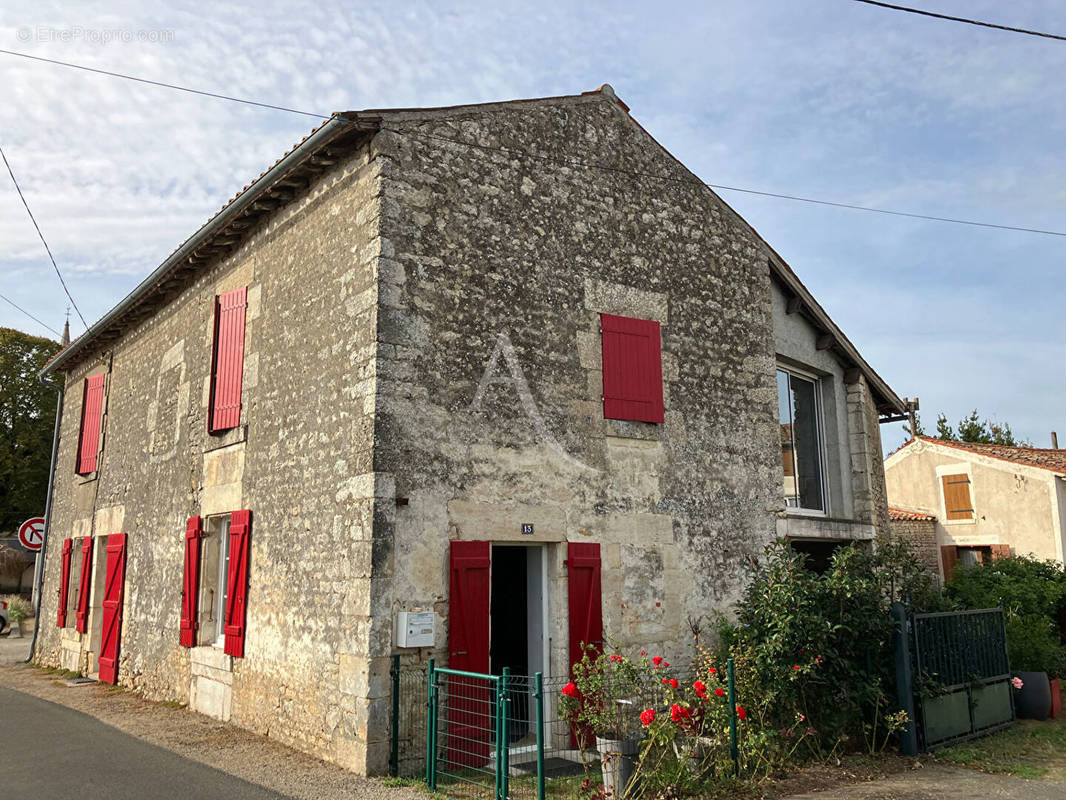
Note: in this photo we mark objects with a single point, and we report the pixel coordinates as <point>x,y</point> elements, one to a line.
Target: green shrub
<point>817,648</point>
<point>1032,594</point>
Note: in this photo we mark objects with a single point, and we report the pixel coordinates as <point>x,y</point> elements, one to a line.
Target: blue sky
<point>824,98</point>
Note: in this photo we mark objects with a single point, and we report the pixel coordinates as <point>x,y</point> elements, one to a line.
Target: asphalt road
<point>50,752</point>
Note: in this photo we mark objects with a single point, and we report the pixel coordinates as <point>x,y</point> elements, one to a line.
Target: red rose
<point>741,713</point>
<point>570,690</point>
<point>712,671</point>
<point>675,712</point>
<point>647,716</point>
<point>615,657</point>
<point>664,681</point>
<point>666,663</point>
<point>700,687</point>
<point>643,652</point>
<point>720,692</point>
<point>657,660</point>
<point>795,666</point>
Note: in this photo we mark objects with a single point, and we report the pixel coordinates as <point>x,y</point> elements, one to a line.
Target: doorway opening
<point>518,615</point>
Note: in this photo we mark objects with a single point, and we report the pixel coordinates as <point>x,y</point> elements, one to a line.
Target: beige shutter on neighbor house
<point>957,503</point>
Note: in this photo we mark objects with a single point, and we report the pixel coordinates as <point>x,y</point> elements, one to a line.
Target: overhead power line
<point>164,85</point>
<point>45,243</point>
<point>795,198</point>
<point>28,314</point>
<point>935,15</point>
<point>695,180</point>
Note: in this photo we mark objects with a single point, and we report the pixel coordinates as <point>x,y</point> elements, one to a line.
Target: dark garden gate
<point>952,675</point>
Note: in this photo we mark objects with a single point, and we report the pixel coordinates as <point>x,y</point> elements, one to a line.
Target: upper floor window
<point>92,411</point>
<point>632,369</point>
<point>802,456</point>
<point>227,368</point>
<point>957,502</point>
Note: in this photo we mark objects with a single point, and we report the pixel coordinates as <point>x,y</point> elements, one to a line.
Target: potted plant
<point>18,610</point>
<point>1034,652</point>
<point>602,702</point>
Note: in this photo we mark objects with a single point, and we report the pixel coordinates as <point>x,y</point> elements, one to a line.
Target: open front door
<point>112,624</point>
<point>586,612</point>
<point>470,700</point>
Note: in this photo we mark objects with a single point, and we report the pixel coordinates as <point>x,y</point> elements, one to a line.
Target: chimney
<point>1054,441</point>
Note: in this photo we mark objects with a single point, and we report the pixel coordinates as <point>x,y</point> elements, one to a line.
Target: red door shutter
<point>64,583</point>
<point>240,536</point>
<point>586,608</point>
<point>949,556</point>
<point>632,369</point>
<point>469,589</point>
<point>113,595</point>
<point>190,583</point>
<point>228,367</point>
<point>92,407</point>
<point>82,615</point>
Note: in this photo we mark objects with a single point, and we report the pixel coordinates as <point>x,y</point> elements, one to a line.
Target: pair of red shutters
<point>227,373</point>
<point>240,536</point>
<point>468,602</point>
<point>114,582</point>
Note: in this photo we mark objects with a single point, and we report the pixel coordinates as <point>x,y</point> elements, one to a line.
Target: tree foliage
<point>971,428</point>
<point>27,416</point>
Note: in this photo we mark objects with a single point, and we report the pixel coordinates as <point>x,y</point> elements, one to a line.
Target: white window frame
<point>217,527</point>
<point>819,423</point>
<point>960,468</point>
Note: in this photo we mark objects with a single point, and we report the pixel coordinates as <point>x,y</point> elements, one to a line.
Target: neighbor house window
<point>957,502</point>
<point>632,369</point>
<point>802,460</point>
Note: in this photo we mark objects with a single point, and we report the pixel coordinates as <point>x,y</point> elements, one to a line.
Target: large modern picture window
<point>801,441</point>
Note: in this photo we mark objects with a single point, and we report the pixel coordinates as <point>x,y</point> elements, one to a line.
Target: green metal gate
<point>957,675</point>
<point>469,725</point>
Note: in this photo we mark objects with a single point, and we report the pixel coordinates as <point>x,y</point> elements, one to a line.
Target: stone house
<point>508,365</point>
<point>988,500</point>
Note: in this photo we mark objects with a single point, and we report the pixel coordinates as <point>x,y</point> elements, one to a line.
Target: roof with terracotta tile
<point>906,515</point>
<point>1042,458</point>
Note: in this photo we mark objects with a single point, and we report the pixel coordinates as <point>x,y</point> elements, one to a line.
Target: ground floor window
<point>214,572</point>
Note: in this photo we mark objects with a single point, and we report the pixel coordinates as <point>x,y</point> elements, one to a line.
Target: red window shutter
<point>115,578</point>
<point>632,369</point>
<point>467,743</point>
<point>240,535</point>
<point>190,584</point>
<point>92,407</point>
<point>64,583</point>
<point>228,360</point>
<point>82,616</point>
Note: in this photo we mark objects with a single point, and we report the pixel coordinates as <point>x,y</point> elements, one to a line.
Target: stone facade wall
<point>921,534</point>
<point>300,461</point>
<point>489,378</point>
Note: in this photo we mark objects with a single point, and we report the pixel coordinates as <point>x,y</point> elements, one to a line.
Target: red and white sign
<point>31,534</point>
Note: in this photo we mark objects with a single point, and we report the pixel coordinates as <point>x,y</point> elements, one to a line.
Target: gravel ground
<point>225,747</point>
<point>938,782</point>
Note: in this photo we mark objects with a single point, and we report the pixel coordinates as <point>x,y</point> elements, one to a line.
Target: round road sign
<point>31,534</point>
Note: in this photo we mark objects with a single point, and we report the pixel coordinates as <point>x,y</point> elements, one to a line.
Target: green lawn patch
<point>1029,749</point>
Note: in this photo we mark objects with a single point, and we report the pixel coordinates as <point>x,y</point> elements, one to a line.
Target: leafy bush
<point>818,647</point>
<point>1032,594</point>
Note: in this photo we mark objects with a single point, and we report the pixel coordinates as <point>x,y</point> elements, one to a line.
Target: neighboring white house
<point>989,500</point>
